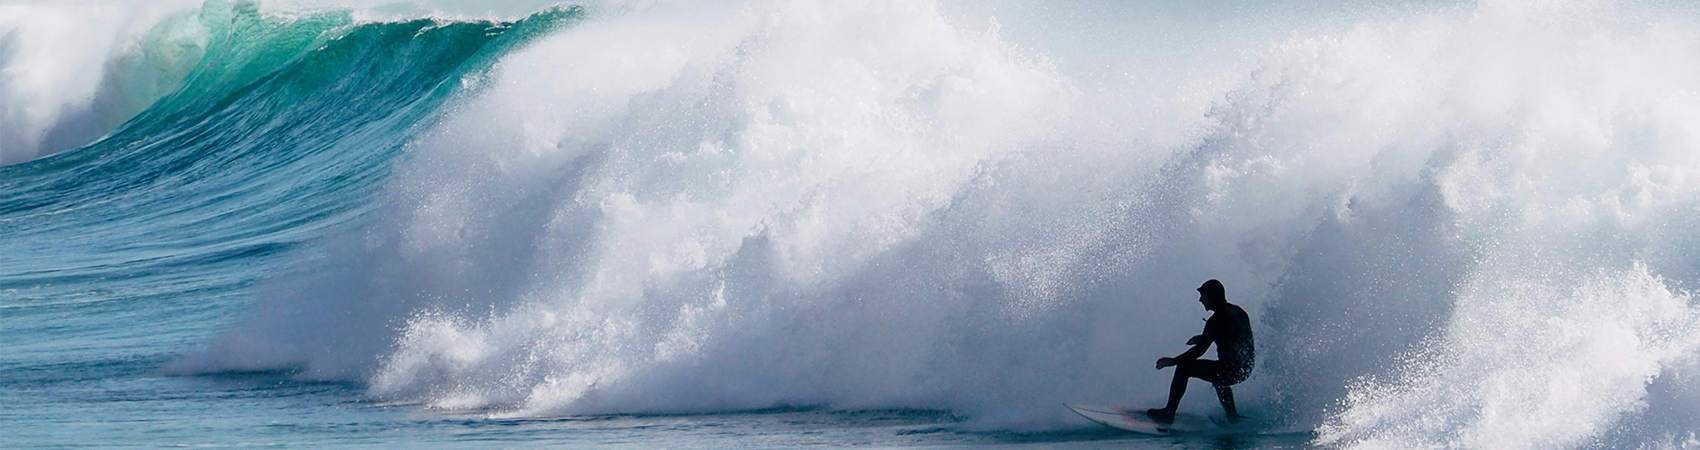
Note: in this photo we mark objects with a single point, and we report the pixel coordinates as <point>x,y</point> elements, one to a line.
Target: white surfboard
<point>1135,420</point>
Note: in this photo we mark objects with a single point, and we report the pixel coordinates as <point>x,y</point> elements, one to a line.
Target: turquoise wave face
<point>119,252</point>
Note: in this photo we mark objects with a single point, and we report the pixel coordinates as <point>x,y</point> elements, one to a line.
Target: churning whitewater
<point>1453,225</point>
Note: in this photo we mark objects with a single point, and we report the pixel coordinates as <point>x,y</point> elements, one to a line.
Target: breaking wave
<point>1456,225</point>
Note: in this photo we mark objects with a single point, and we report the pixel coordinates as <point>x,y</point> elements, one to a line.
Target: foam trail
<point>710,206</point>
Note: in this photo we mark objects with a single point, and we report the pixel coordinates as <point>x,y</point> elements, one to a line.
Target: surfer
<point>1230,329</point>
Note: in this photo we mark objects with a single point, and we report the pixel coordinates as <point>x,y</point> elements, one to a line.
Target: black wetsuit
<point>1230,330</point>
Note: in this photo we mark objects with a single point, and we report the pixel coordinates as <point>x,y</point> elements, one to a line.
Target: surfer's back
<point>1230,327</point>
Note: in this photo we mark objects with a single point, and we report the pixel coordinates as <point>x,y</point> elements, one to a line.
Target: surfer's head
<point>1211,294</point>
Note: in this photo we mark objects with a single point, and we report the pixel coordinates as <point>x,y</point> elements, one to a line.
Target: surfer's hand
<point>1195,340</point>
<point>1165,362</point>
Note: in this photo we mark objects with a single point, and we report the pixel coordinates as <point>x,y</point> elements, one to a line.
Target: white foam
<point>1548,362</point>
<point>821,131</point>
<point>704,206</point>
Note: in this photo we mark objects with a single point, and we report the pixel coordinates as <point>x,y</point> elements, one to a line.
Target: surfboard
<point>1135,420</point>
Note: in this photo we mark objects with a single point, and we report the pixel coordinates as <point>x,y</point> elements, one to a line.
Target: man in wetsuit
<point>1230,329</point>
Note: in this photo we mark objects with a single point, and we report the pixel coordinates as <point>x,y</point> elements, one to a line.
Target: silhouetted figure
<point>1230,330</point>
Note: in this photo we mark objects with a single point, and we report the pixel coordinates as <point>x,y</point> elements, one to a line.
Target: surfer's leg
<point>1203,369</point>
<point>1225,393</point>
<point>1177,388</point>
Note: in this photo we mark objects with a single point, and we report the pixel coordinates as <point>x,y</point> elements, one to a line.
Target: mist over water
<point>1455,225</point>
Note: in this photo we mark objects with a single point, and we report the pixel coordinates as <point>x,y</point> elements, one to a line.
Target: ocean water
<point>880,223</point>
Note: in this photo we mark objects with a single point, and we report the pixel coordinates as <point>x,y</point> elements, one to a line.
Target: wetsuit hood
<point>1213,291</point>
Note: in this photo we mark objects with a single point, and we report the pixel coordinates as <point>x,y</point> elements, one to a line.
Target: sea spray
<point>70,73</point>
<point>1554,179</point>
<point>690,207</point>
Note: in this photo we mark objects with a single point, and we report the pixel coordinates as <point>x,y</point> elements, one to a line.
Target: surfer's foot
<point>1234,419</point>
<point>1160,415</point>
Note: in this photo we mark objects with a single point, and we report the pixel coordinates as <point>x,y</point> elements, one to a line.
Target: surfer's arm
<point>1199,343</point>
<point>1194,352</point>
<point>1191,354</point>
